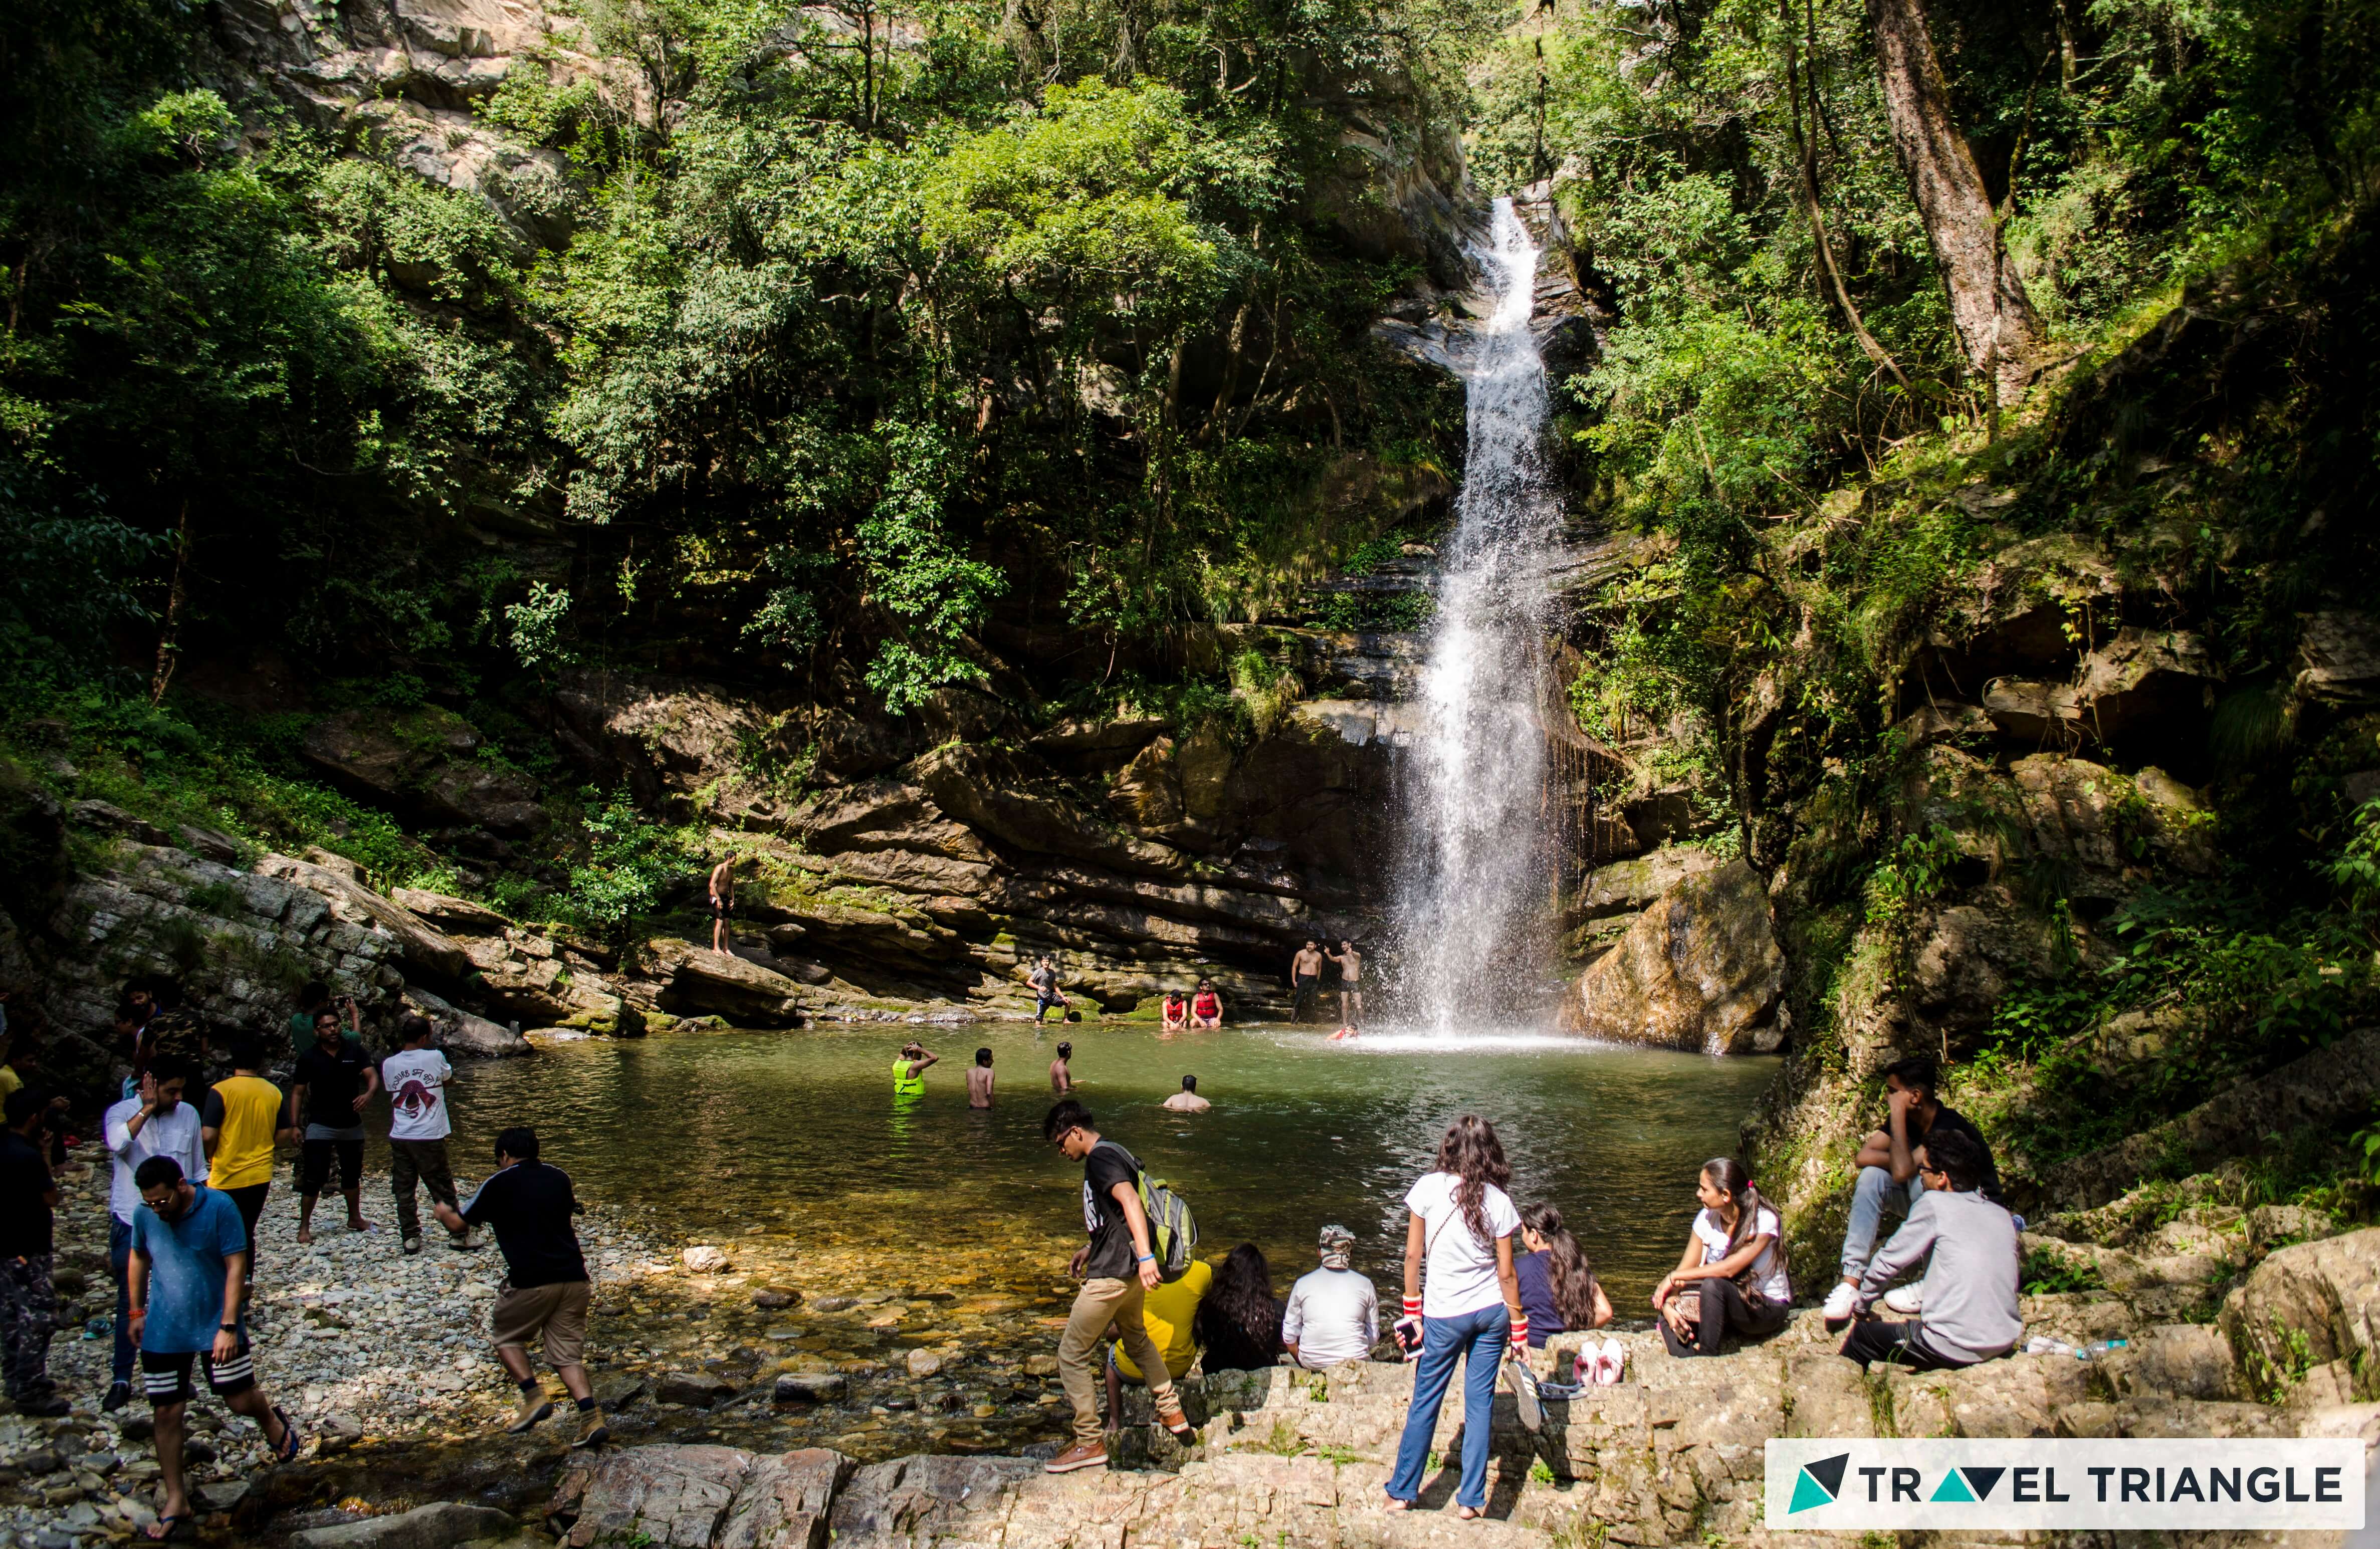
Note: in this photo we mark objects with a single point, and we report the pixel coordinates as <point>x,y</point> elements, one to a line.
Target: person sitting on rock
<point>1239,1323</point>
<point>1968,1245</point>
<point>1333,1314</point>
<point>1175,1012</point>
<point>1169,1313</point>
<point>1559,1290</point>
<point>529,1205</point>
<point>1732,1277</point>
<point>1186,1100</point>
<point>1206,1007</point>
<point>1888,1177</point>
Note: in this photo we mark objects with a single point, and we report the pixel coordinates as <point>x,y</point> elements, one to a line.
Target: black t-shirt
<point>529,1204</point>
<point>1113,1255</point>
<point>24,1179</point>
<point>1949,1118</point>
<point>332,1075</point>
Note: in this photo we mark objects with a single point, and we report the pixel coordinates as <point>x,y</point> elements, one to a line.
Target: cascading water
<point>1473,910</point>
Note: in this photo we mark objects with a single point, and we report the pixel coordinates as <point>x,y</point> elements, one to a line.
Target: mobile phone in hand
<point>1408,1332</point>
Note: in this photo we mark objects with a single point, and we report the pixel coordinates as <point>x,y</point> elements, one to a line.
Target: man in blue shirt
<point>189,1254</point>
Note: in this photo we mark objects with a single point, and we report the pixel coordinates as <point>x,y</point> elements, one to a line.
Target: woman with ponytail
<point>1732,1276</point>
<point>1559,1290</point>
<point>1458,1225</point>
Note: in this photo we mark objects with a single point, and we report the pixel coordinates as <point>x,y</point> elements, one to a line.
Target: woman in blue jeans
<point>1459,1224</point>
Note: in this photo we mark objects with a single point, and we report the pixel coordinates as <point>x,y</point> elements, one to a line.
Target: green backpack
<point>1172,1230</point>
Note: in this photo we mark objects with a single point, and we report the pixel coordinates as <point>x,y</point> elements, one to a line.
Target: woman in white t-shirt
<point>1736,1232</point>
<point>1460,1223</point>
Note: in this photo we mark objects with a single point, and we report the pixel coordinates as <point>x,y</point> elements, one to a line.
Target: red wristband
<point>1520,1329</point>
<point>1412,1306</point>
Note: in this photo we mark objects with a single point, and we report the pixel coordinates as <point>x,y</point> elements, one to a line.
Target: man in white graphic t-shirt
<point>416,1077</point>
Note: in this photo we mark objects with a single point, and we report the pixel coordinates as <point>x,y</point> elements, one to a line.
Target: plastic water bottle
<point>2098,1348</point>
<point>98,1328</point>
<point>2043,1345</point>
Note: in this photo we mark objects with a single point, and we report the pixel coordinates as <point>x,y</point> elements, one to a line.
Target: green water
<point>708,1136</point>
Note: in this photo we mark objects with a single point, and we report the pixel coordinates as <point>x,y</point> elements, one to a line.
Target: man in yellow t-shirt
<point>238,1126</point>
<point>1167,1313</point>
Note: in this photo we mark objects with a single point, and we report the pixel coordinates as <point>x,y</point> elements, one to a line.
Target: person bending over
<point>1968,1245</point>
<point>1169,1313</point>
<point>1733,1274</point>
<point>1888,1177</point>
<point>1333,1314</point>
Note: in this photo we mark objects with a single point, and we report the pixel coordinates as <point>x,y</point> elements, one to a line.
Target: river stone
<point>776,1296</point>
<point>1040,1365</point>
<point>699,1389</point>
<point>812,1387</point>
<point>703,1259</point>
<point>224,1494</point>
<point>835,1303</point>
<point>924,1363</point>
<point>1699,970</point>
<point>437,1526</point>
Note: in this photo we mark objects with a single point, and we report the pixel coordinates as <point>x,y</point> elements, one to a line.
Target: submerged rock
<point>1700,969</point>
<point>436,1526</point>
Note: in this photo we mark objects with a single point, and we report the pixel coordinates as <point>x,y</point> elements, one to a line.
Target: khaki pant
<point>558,1312</point>
<point>1098,1304</point>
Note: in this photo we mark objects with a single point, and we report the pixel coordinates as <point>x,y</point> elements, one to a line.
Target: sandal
<point>290,1440</point>
<point>177,1528</point>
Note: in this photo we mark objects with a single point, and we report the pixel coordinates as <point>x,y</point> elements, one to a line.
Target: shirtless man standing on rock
<point>1305,980</point>
<point>1351,977</point>
<point>723,900</point>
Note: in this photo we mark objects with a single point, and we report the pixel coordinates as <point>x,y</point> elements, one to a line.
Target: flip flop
<point>175,1527</point>
<point>290,1440</point>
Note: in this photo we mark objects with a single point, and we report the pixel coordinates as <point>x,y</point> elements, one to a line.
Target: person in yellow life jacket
<point>909,1070</point>
<point>238,1126</point>
<point>1167,1313</point>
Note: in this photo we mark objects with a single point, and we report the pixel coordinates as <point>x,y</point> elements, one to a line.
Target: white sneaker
<point>1610,1364</point>
<point>1908,1301</point>
<point>1840,1304</point>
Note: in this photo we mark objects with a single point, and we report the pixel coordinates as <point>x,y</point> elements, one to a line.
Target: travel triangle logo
<point>1819,1483</point>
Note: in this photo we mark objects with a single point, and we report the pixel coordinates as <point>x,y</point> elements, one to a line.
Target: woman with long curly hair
<point>1458,1225</point>
<point>1559,1290</point>
<point>1239,1322</point>
<point>1733,1277</point>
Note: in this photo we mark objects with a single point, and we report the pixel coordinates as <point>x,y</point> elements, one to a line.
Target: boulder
<point>670,737</point>
<point>1625,887</point>
<point>1968,956</point>
<point>461,1034</point>
<point>1700,970</point>
<point>418,942</point>
<point>926,1500</point>
<point>812,1387</point>
<point>437,1526</point>
<point>703,1259</point>
<point>997,796</point>
<point>657,1498</point>
<point>458,917</point>
<point>2143,676</point>
<point>702,982</point>
<point>699,1389</point>
<point>2038,714</point>
<point>2339,658</point>
<point>108,818</point>
<point>423,762</point>
<point>2306,1306</point>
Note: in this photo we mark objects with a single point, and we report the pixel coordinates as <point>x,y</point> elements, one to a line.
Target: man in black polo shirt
<point>545,1291</point>
<point>29,1307</point>
<point>334,1081</point>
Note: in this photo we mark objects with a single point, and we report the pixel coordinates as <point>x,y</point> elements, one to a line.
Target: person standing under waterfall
<point>1350,979</point>
<point>1460,1223</point>
<point>1305,981</point>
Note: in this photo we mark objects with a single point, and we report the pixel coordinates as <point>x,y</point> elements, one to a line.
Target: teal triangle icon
<point>1953,1488</point>
<point>1807,1492</point>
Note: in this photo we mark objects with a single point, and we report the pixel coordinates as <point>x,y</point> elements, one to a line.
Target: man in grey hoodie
<point>1971,1286</point>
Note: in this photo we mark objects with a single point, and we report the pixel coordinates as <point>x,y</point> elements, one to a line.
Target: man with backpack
<point>1122,1263</point>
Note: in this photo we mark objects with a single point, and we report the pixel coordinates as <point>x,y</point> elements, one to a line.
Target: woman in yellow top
<point>1168,1313</point>
<point>238,1126</point>
<point>909,1070</point>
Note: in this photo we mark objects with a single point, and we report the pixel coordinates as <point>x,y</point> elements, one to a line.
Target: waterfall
<point>1473,910</point>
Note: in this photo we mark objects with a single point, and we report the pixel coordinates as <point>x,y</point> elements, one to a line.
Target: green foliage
<point>627,865</point>
<point>2049,1271</point>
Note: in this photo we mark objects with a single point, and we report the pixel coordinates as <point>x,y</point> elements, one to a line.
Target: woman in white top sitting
<point>1460,1223</point>
<point>1733,1273</point>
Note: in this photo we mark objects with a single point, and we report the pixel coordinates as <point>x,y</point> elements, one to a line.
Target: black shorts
<point>165,1375</point>
<point>721,908</point>
<point>314,1168</point>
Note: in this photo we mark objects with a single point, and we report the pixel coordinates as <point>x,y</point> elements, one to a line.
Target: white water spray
<point>1473,910</point>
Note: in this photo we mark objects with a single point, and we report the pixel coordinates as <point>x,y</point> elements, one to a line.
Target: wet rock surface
<point>1699,969</point>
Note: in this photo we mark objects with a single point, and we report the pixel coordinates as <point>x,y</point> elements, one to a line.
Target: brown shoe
<point>534,1407</point>
<point>1169,1415</point>
<point>1082,1454</point>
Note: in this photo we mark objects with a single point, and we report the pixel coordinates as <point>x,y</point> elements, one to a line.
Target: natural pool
<point>706,1137</point>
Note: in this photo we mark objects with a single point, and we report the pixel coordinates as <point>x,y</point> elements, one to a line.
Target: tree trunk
<point>1998,331</point>
<point>1806,158</point>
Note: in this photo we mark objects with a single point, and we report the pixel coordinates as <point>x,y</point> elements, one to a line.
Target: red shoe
<point>1082,1454</point>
